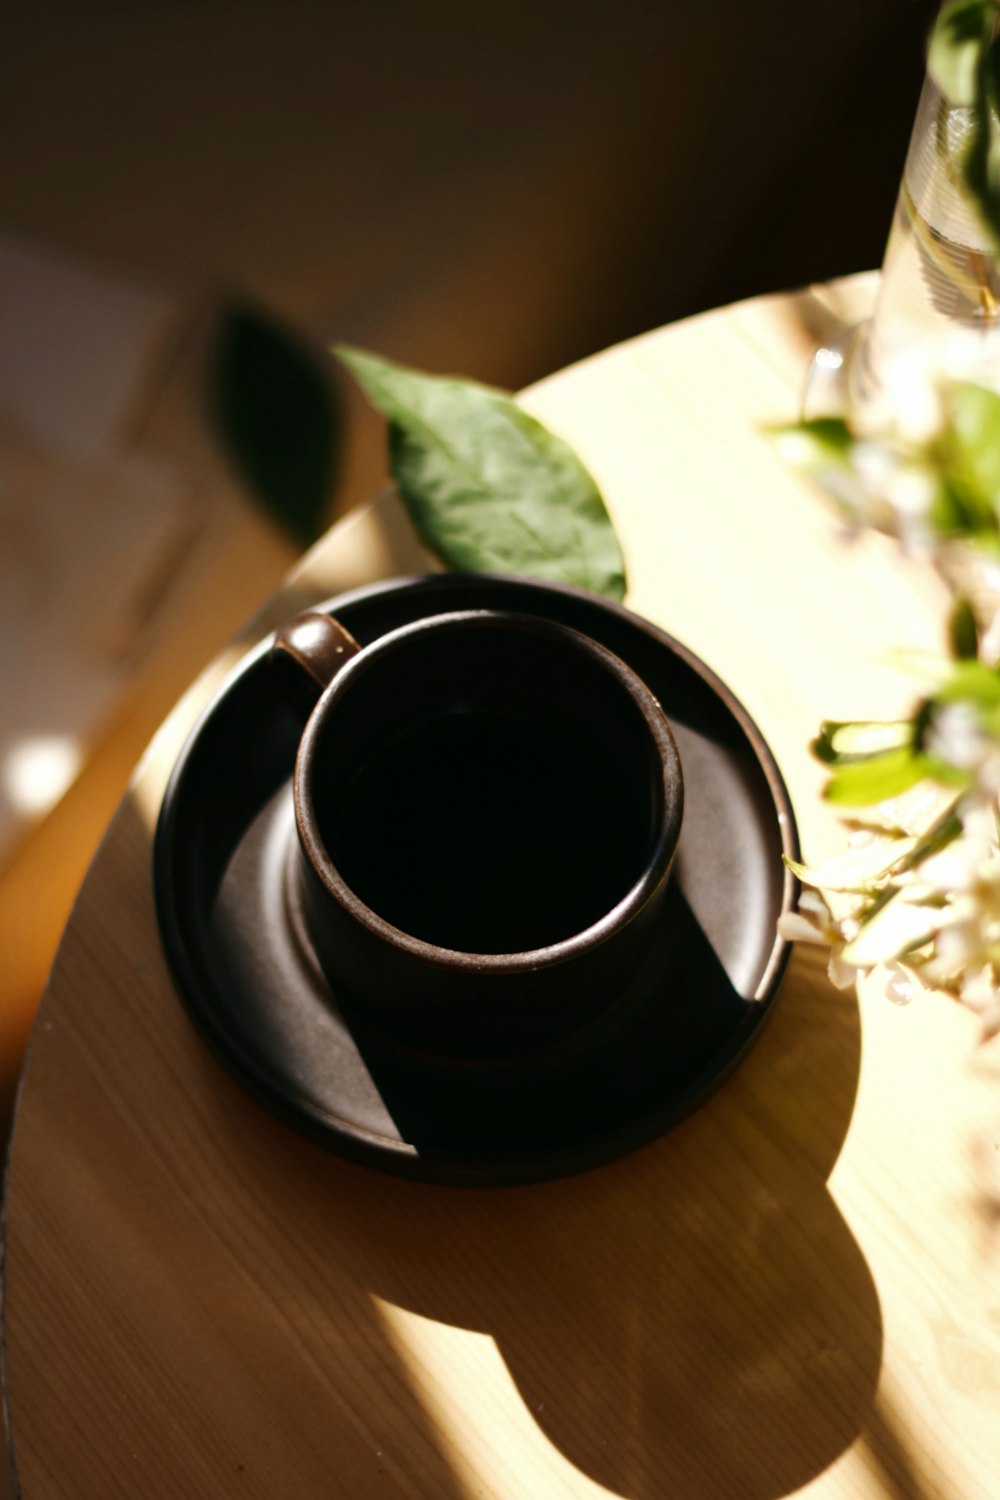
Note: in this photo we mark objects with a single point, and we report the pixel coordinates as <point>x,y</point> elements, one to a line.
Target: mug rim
<point>630,904</point>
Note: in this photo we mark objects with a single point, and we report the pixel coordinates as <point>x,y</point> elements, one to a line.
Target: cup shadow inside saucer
<point>643,1061</point>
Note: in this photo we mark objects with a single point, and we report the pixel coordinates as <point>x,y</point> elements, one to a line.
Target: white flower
<point>875,465</point>
<point>910,493</point>
<point>812,923</point>
<point>958,946</point>
<point>957,737</point>
<point>916,895</point>
<point>815,923</point>
<point>980,993</point>
<point>842,974</point>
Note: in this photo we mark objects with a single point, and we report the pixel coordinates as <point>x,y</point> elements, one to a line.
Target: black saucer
<point>253,989</point>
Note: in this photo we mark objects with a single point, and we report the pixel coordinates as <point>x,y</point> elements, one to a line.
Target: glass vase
<point>938,306</point>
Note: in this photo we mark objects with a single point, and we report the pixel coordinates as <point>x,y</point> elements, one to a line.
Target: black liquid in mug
<point>489,832</point>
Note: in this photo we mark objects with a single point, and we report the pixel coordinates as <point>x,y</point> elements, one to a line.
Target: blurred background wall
<point>495,190</point>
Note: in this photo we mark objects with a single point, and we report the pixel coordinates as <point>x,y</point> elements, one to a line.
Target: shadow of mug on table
<point>694,1319</point>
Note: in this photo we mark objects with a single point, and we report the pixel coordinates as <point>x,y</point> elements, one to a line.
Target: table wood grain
<point>797,1291</point>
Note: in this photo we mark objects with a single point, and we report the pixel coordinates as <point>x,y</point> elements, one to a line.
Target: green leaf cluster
<point>961,464</point>
<point>872,762</point>
<point>881,900</point>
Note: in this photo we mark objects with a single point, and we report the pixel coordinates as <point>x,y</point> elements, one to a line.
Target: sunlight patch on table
<point>37,770</point>
<point>482,1426</point>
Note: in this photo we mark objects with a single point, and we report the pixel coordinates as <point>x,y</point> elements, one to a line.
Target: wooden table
<point>797,1290</point>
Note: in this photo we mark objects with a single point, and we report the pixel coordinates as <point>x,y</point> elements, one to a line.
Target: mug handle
<point>307,653</point>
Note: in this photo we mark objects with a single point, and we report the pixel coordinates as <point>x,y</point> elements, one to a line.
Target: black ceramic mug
<point>487,807</point>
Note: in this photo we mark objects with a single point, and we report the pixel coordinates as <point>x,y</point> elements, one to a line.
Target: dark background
<point>495,190</point>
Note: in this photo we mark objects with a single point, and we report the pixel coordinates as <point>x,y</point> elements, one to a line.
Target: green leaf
<point>989,71</point>
<point>859,783</point>
<point>276,415</point>
<point>981,165</point>
<point>841,740</point>
<point>974,441</point>
<point>814,445</point>
<point>957,40</point>
<point>958,510</point>
<point>963,631</point>
<point>487,486</point>
<point>971,682</point>
<point>976,685</point>
<point>826,437</point>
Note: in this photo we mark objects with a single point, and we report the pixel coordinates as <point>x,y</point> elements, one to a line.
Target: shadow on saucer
<point>676,1030</point>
